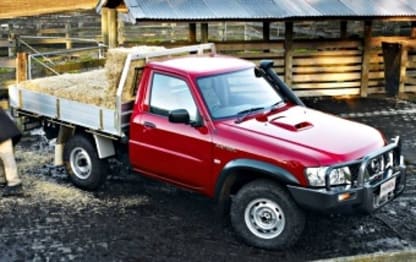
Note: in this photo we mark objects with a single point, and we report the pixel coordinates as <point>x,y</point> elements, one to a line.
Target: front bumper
<point>364,194</point>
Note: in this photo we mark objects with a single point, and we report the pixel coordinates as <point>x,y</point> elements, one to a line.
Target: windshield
<point>229,94</point>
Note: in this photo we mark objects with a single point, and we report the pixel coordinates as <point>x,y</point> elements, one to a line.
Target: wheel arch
<point>104,146</point>
<point>239,172</point>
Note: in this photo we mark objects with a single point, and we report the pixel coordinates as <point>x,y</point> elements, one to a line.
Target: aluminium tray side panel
<point>38,103</point>
<point>89,116</point>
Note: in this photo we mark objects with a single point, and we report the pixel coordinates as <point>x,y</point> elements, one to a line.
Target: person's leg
<point>10,168</point>
<point>3,181</point>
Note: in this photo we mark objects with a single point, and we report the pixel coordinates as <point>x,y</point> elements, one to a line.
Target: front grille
<point>372,168</point>
<point>378,167</point>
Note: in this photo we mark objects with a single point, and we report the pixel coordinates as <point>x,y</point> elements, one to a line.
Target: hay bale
<point>116,57</point>
<point>97,87</point>
<point>88,87</point>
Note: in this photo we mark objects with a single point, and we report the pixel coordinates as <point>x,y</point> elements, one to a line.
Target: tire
<point>264,215</point>
<point>84,168</point>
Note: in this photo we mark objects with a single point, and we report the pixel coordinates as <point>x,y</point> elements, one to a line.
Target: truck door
<point>179,153</point>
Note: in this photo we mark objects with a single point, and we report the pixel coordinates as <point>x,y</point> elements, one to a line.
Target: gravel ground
<point>135,219</point>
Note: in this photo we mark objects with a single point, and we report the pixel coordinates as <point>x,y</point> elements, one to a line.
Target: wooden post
<point>403,67</point>
<point>38,28</point>
<point>121,39</point>
<point>266,31</point>
<point>413,30</point>
<point>204,32</point>
<point>21,67</point>
<point>224,32</point>
<point>266,34</point>
<point>112,28</point>
<point>68,42</point>
<point>192,33</point>
<point>343,29</point>
<point>172,32</point>
<point>393,64</point>
<point>11,50</point>
<point>365,65</point>
<point>104,25</point>
<point>288,52</point>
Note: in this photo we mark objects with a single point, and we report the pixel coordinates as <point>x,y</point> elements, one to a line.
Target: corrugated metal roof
<point>262,9</point>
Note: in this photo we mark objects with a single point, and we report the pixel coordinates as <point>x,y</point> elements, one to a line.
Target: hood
<point>327,138</point>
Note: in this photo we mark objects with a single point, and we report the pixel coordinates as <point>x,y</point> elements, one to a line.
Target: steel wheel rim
<point>80,163</point>
<point>264,218</point>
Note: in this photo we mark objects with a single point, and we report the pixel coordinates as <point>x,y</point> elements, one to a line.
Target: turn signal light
<point>344,197</point>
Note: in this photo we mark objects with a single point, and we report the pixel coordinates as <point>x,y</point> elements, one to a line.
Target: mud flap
<point>64,134</point>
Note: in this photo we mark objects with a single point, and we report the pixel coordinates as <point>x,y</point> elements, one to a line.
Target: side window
<point>170,93</point>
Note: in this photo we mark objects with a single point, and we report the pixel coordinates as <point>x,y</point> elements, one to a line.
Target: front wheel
<point>82,163</point>
<point>264,215</point>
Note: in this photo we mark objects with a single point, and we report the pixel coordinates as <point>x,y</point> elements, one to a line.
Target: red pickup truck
<point>235,132</point>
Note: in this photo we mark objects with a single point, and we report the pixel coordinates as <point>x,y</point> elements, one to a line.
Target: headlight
<point>339,176</point>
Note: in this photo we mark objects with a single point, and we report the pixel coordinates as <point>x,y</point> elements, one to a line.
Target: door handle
<point>149,125</point>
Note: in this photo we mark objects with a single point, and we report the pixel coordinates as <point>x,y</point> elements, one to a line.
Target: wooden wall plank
<point>374,75</point>
<point>273,55</point>
<point>320,53</point>
<point>410,81</point>
<point>326,44</point>
<point>332,85</point>
<point>376,41</point>
<point>326,61</point>
<point>326,69</point>
<point>326,77</point>
<point>239,45</point>
<point>328,92</point>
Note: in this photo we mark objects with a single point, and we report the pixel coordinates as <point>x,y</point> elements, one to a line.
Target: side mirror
<point>179,116</point>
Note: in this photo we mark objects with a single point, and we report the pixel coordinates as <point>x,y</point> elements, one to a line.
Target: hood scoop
<point>291,123</point>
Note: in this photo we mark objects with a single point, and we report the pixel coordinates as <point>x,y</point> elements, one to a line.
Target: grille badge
<point>377,164</point>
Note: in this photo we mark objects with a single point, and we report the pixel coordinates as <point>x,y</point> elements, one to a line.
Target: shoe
<point>16,190</point>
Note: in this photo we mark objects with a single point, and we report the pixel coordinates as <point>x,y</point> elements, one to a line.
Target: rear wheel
<point>264,215</point>
<point>82,163</point>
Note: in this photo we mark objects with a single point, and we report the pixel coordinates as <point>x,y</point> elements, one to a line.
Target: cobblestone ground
<point>135,219</point>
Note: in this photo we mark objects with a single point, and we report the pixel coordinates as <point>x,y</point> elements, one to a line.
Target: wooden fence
<point>328,67</point>
<point>336,64</point>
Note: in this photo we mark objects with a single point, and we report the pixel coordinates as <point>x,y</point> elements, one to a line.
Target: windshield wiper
<point>242,115</point>
<point>275,106</point>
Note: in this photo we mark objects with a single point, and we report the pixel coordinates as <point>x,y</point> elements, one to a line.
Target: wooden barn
<point>323,47</point>
<point>319,47</point>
